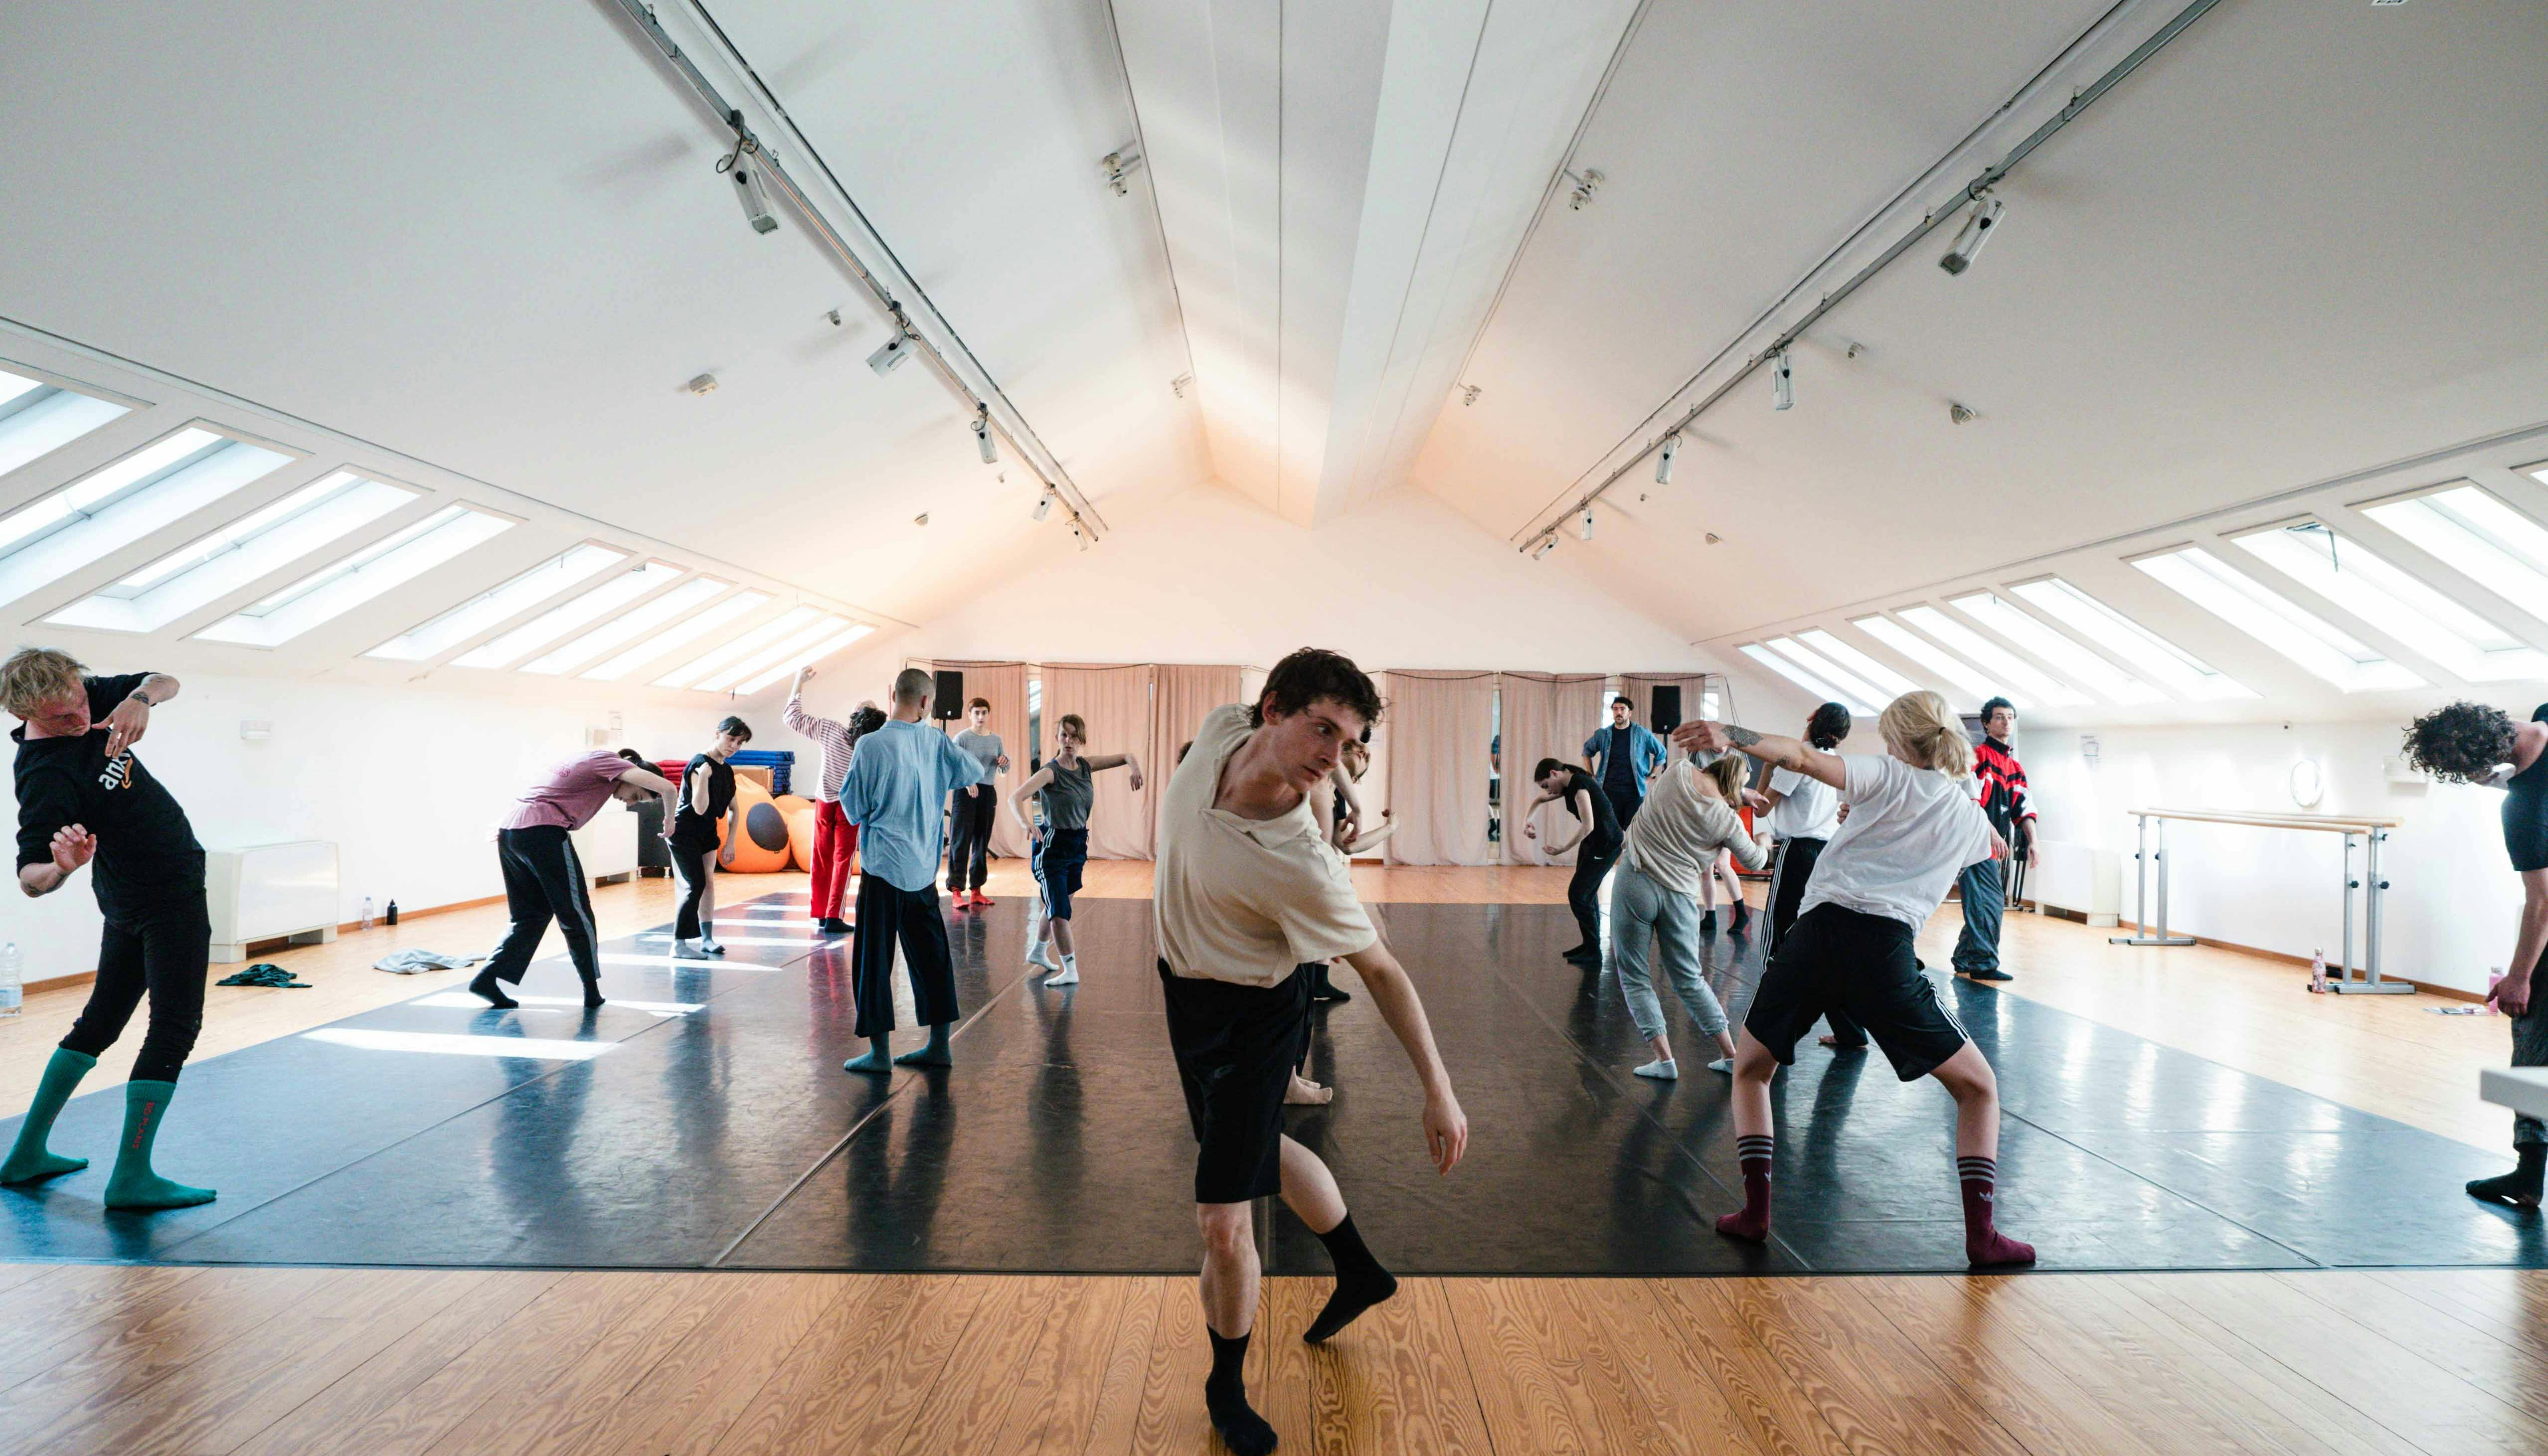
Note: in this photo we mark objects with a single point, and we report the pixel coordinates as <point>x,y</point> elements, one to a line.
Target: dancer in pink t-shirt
<point>543,880</point>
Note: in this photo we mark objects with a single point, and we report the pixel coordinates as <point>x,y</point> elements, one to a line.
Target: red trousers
<point>836,838</point>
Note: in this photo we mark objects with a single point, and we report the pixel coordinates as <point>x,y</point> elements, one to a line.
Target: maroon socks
<point>1753,1223</point>
<point>1984,1246</point>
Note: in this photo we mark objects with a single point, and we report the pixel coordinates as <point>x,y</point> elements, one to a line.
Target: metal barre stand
<point>2373,832</point>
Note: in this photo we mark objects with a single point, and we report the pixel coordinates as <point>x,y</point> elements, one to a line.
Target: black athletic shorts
<point>1057,866</point>
<point>1860,965</point>
<point>1235,1049</point>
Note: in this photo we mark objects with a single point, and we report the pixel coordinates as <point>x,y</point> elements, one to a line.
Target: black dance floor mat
<point>703,1119</point>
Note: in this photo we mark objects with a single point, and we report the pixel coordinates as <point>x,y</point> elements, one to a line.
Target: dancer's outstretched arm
<point>1780,752</point>
<point>1446,1128</point>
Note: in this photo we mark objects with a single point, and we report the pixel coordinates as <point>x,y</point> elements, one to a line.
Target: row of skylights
<point>687,597</point>
<point>1796,675</point>
<point>119,503</point>
<point>483,612</point>
<point>2312,642</point>
<point>621,589</point>
<point>332,591</point>
<point>2171,665</point>
<point>37,419</point>
<point>2374,590</point>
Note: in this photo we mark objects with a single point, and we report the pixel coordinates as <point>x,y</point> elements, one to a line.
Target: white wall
<point>409,783</point>
<point>2453,900</point>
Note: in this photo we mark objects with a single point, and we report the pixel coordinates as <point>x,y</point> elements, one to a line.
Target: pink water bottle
<point>2317,971</point>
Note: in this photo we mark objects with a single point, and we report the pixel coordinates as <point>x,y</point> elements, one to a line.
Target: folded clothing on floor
<point>264,973</point>
<point>416,963</point>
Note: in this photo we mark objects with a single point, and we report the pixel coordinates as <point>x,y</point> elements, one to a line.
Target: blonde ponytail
<point>1728,771</point>
<point>1918,726</point>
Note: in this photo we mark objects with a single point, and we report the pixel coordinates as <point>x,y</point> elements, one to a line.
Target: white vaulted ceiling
<point>477,251</point>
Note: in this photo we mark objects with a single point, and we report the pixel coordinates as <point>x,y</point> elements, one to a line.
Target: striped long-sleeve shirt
<point>829,735</point>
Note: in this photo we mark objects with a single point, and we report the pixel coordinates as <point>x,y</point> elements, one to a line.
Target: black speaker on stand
<point>951,696</point>
<point>1667,713</point>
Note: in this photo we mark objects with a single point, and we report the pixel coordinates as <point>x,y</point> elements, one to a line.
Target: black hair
<point>638,759</point>
<point>1993,707</point>
<point>1828,726</point>
<point>1310,674</point>
<point>867,719</point>
<point>1546,768</point>
<point>736,725</point>
<point>1621,699</point>
<point>2461,743</point>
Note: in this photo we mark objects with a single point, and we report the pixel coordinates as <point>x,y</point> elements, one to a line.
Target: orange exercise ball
<point>800,829</point>
<point>762,848</point>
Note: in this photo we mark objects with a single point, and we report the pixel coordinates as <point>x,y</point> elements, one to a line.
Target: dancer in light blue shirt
<point>897,781</point>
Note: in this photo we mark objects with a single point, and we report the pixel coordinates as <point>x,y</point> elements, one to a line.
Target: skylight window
<point>664,643</point>
<point>2003,665</point>
<point>117,505</point>
<point>2009,621</point>
<point>1891,684</point>
<point>696,673</point>
<point>565,618</point>
<point>1819,689</point>
<point>37,419</point>
<point>2274,620</point>
<point>236,554</point>
<point>1954,669</point>
<point>500,605</point>
<point>1858,697</point>
<point>816,643</point>
<point>2373,589</point>
<point>2154,655</point>
<point>2483,538</point>
<point>333,591</point>
<point>820,651</point>
<point>628,625</point>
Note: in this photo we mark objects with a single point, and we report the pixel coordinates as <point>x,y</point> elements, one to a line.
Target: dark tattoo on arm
<point>1742,737</point>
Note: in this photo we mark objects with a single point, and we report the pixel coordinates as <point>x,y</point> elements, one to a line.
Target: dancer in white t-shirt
<point>1913,826</point>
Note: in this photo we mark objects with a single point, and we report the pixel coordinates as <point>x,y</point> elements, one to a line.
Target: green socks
<point>935,1053</point>
<point>29,1160</point>
<point>132,1185</point>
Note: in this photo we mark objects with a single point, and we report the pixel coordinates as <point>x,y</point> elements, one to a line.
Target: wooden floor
<point>98,1358</point>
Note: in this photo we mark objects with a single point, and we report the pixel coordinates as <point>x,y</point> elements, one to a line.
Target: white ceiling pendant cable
<point>896,294</point>
<point>1976,191</point>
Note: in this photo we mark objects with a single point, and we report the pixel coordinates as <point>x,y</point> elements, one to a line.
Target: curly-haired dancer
<point>1912,827</point>
<point>2478,743</point>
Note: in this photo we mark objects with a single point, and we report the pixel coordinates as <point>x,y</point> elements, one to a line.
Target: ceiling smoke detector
<point>705,384</point>
<point>1959,414</point>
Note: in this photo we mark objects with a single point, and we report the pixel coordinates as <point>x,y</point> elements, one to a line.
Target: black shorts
<point>1057,866</point>
<point>1236,1049</point>
<point>1860,965</point>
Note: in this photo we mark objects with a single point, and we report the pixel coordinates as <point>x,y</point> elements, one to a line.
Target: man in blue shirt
<point>1621,755</point>
<point>897,783</point>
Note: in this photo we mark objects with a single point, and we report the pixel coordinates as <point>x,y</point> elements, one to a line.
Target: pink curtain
<point>1546,715</point>
<point>1181,693</point>
<point>1005,684</point>
<point>1440,727</point>
<point>1116,702</point>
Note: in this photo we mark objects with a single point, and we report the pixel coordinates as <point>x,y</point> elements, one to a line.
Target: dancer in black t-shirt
<point>83,797</point>
<point>708,797</point>
<point>1595,843</point>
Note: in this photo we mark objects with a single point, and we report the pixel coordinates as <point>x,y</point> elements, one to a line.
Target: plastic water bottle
<point>367,912</point>
<point>13,979</point>
<point>2317,971</point>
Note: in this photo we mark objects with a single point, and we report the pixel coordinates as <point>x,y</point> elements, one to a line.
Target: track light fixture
<point>982,434</point>
<point>1585,528</point>
<point>1663,461</point>
<point>1119,166</point>
<point>1547,544</point>
<point>1043,503</point>
<point>1078,533</point>
<point>1585,184</point>
<point>743,164</point>
<point>1782,382</point>
<point>1977,230</point>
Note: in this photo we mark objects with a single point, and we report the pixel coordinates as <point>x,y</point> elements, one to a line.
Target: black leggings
<point>1593,860</point>
<point>166,949</point>
<point>543,881</point>
<point>692,867</point>
<point>969,844</point>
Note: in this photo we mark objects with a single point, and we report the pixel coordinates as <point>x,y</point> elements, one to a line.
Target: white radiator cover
<point>2082,878</point>
<point>607,846</point>
<point>258,893</point>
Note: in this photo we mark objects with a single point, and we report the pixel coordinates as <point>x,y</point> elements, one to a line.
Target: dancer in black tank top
<point>2477,743</point>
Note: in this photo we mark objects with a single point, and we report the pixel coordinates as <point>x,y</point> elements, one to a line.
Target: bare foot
<point>1304,1093</point>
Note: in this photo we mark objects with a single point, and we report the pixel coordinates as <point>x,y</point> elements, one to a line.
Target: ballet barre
<point>2371,829</point>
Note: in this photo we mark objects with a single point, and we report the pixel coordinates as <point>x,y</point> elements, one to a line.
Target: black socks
<point>2519,1187</point>
<point>1225,1397</point>
<point>485,984</point>
<point>1360,1280</point>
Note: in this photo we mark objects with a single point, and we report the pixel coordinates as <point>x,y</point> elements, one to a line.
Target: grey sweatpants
<point>1640,912</point>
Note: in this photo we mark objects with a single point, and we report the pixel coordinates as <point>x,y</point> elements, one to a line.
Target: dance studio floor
<point>703,1121</point>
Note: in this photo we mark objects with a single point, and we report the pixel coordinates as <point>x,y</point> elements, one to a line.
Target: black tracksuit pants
<point>1592,860</point>
<point>543,881</point>
<point>164,949</point>
<point>888,917</point>
<point>969,841</point>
